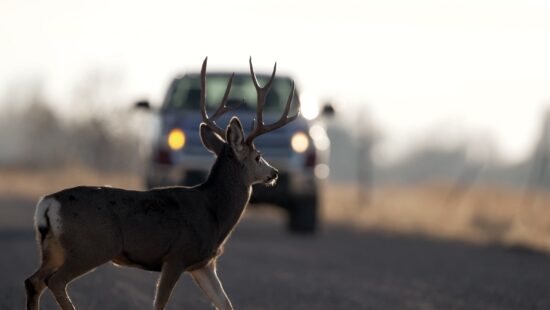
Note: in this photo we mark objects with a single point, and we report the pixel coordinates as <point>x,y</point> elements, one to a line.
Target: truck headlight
<point>299,142</point>
<point>176,139</point>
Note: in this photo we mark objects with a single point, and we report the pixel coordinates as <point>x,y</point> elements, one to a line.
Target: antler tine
<point>259,128</point>
<point>288,102</point>
<point>222,109</point>
<point>261,91</point>
<point>255,80</point>
<point>284,118</point>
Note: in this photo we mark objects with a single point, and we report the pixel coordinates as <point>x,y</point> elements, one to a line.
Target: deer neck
<point>227,191</point>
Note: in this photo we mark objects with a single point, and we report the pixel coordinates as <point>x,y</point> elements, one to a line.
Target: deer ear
<point>210,140</point>
<point>235,136</point>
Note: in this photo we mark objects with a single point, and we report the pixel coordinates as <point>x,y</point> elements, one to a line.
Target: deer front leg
<point>207,279</point>
<point>168,278</point>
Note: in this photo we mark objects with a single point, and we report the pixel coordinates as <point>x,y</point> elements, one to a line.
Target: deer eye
<point>258,157</point>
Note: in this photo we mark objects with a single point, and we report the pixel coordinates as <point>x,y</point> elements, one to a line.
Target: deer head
<point>256,169</point>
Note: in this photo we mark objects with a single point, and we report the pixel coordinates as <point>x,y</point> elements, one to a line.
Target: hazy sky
<point>423,69</point>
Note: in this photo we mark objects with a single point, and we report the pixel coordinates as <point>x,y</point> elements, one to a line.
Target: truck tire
<point>303,215</point>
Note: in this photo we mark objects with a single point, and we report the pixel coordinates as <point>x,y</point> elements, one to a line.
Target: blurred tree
<point>34,135</point>
<point>539,176</point>
<point>365,167</point>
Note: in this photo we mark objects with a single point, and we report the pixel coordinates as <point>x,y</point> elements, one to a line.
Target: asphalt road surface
<point>265,268</point>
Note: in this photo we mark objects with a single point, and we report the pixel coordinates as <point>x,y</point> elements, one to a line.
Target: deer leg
<point>35,286</point>
<point>71,269</point>
<point>169,276</point>
<point>207,279</point>
<point>52,258</point>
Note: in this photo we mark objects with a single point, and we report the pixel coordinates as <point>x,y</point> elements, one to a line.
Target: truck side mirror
<point>328,110</point>
<point>143,104</point>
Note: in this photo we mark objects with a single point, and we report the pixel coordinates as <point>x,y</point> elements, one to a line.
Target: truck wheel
<point>303,215</point>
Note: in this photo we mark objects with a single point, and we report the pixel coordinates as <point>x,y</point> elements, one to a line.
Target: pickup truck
<point>299,150</point>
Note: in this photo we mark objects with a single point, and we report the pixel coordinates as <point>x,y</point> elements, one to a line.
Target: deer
<point>170,230</point>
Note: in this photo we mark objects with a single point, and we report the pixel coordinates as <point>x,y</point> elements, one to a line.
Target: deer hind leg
<point>52,258</point>
<point>73,267</point>
<point>35,285</point>
<point>207,279</point>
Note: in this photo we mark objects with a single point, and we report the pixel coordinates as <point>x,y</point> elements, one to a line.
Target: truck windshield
<point>185,93</point>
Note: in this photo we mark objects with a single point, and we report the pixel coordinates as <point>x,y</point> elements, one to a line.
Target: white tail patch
<point>40,212</point>
<point>47,214</point>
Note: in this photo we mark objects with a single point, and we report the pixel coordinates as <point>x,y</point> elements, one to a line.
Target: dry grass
<point>481,214</point>
<point>33,183</point>
<point>21,188</point>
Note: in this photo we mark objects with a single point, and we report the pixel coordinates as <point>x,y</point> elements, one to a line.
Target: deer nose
<point>274,173</point>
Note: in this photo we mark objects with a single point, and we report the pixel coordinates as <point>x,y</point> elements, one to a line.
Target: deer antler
<point>210,122</point>
<point>259,127</point>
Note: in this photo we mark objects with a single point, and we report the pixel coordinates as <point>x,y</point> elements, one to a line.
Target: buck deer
<point>172,230</point>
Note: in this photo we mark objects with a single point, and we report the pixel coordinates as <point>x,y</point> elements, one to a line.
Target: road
<point>265,268</point>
